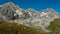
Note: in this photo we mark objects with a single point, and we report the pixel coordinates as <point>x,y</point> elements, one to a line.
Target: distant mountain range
<point>30,17</point>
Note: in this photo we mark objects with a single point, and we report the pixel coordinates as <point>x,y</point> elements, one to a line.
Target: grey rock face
<point>8,10</point>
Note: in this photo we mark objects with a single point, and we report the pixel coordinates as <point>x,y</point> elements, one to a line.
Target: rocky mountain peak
<point>51,10</point>
<point>30,10</point>
<point>10,3</point>
<point>8,10</point>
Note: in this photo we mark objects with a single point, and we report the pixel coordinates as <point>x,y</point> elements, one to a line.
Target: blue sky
<point>36,4</point>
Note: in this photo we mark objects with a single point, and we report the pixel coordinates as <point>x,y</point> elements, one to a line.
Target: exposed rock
<point>8,10</point>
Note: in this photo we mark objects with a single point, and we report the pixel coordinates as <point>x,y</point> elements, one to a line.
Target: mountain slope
<point>14,28</point>
<point>55,26</point>
<point>30,17</point>
<point>8,28</point>
<point>7,10</point>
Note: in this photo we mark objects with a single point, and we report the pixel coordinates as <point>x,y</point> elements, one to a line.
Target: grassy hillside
<point>13,28</point>
<point>55,26</point>
<point>8,28</point>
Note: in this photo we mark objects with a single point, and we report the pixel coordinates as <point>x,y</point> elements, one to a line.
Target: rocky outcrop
<point>8,10</point>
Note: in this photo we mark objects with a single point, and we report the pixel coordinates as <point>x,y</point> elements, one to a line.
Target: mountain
<point>38,19</point>
<point>7,10</point>
<point>30,17</point>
